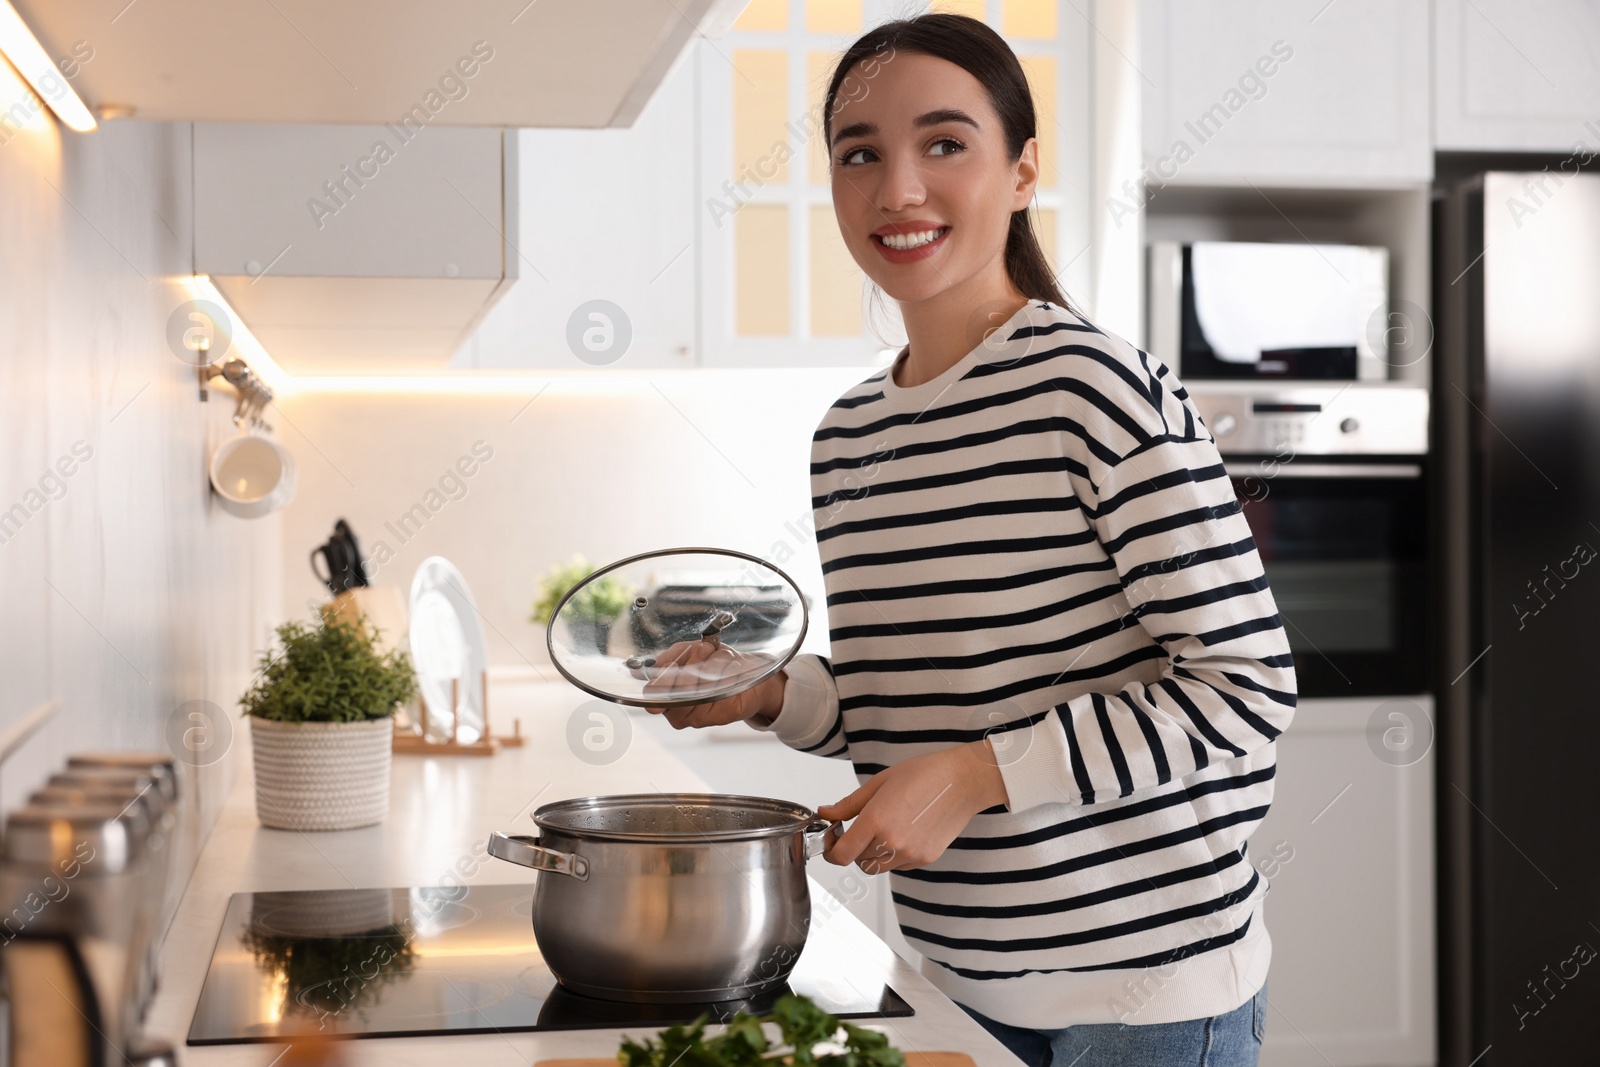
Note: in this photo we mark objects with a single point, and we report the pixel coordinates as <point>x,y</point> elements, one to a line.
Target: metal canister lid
<point>99,838</point>
<point>159,765</point>
<point>146,803</point>
<point>113,778</point>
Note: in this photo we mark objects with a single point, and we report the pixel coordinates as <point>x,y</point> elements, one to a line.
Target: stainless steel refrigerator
<point>1517,435</point>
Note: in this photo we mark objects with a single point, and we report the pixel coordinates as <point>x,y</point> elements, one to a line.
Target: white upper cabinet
<point>605,256</point>
<point>1286,92</point>
<point>368,62</point>
<point>355,248</point>
<point>1515,75</point>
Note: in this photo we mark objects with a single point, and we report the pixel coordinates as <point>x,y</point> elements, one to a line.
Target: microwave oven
<point>1269,310</point>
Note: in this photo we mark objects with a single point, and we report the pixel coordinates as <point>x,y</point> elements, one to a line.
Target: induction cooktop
<point>415,962</point>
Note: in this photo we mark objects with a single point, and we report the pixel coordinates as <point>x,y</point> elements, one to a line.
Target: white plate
<point>447,643</point>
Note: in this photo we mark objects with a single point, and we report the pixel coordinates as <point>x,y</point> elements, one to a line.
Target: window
<point>710,220</point>
<point>777,285</point>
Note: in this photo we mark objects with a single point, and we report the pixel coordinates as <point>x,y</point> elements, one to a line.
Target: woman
<point>1056,665</point>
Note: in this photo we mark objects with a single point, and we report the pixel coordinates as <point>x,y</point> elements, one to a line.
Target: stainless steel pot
<point>670,897</point>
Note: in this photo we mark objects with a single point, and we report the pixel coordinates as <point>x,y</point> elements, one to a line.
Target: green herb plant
<point>744,1043</point>
<point>602,599</point>
<point>329,672</point>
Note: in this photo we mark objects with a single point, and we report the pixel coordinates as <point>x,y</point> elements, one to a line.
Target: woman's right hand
<point>693,664</point>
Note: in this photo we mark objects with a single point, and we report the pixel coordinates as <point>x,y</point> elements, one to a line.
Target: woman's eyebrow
<point>855,129</point>
<point>943,115</point>
<point>931,118</point>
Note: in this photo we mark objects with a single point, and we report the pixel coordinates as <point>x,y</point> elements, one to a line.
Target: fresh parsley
<point>744,1043</point>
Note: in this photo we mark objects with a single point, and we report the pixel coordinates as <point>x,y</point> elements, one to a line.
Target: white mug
<point>252,475</point>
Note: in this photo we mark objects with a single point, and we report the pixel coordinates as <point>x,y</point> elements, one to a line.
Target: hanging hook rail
<point>254,394</point>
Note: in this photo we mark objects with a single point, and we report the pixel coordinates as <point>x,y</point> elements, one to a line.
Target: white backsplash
<point>606,469</point>
<point>127,592</point>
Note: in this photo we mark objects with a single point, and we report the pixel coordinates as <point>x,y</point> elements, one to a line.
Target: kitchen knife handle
<point>325,579</point>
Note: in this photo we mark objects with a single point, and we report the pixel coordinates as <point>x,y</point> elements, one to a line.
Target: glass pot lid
<point>678,626</point>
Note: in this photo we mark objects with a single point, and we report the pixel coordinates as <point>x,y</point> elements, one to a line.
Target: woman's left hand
<point>907,815</point>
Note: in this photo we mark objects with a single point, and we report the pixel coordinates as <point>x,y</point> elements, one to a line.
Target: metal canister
<point>154,789</point>
<point>147,804</point>
<point>73,929</point>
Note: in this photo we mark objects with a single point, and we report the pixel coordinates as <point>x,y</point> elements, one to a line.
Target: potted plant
<point>592,612</point>
<point>321,721</point>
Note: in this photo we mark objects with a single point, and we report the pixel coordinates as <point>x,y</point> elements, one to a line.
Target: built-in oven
<point>1332,480</point>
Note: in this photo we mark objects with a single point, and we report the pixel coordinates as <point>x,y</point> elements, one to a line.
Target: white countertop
<point>440,807</point>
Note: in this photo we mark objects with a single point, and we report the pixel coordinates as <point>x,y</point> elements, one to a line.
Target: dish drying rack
<point>407,743</point>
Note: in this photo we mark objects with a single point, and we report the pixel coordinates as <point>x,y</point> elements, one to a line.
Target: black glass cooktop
<point>447,960</point>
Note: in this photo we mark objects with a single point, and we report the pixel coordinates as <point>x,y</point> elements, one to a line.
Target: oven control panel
<point>1313,418</point>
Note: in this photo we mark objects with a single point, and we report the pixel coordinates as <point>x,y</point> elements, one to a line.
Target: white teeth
<point>904,242</point>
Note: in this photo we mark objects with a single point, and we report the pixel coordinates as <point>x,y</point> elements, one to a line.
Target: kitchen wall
<point>127,593</point>
<point>605,466</point>
<point>602,466</point>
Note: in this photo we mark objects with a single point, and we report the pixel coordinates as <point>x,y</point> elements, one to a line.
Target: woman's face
<point>918,152</point>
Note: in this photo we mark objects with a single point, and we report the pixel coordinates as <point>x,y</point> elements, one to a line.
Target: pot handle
<point>526,851</point>
<point>816,833</point>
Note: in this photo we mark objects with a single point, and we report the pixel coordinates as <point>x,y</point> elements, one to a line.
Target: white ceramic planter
<point>321,775</point>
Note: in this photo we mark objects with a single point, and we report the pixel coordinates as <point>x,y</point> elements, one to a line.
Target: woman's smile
<point>904,245</point>
<point>928,179</point>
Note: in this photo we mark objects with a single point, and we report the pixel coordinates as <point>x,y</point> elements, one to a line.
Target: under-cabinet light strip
<point>28,56</point>
<point>481,383</point>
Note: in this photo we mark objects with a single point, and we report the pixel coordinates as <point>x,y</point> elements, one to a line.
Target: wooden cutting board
<point>913,1059</point>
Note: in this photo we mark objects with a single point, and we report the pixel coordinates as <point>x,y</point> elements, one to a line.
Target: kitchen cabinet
<point>1347,849</point>
<point>1261,91</point>
<point>605,247</point>
<point>1510,75</point>
<point>365,62</point>
<point>356,248</point>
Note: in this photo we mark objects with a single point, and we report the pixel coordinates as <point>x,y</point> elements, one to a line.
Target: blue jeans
<point>1232,1039</point>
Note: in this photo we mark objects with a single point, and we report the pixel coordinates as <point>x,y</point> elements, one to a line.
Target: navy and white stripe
<point>1042,546</point>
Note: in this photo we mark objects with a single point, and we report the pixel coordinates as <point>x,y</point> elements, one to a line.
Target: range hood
<point>557,63</point>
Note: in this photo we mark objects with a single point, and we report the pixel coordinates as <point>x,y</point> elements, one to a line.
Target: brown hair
<point>971,45</point>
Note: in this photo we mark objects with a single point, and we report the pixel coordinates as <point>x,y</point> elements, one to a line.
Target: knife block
<point>381,605</point>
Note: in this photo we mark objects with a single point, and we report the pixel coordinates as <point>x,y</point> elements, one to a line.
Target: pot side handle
<point>816,832</point>
<point>527,852</point>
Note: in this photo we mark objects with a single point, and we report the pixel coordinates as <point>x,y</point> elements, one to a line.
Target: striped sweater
<point>1040,545</point>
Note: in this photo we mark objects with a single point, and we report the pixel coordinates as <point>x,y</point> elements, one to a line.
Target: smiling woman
<point>1055,662</point>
